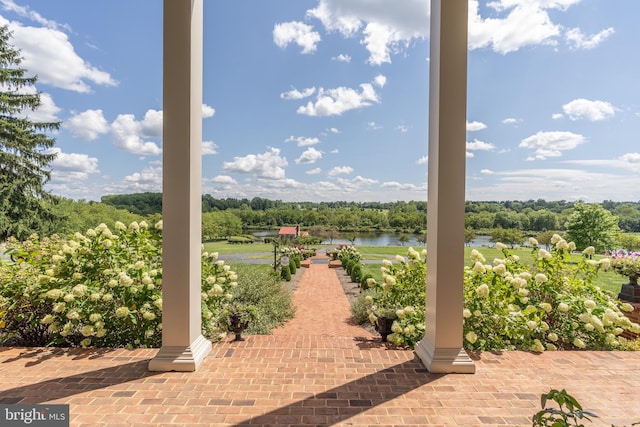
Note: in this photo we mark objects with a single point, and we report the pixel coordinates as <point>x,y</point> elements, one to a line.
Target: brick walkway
<point>317,370</point>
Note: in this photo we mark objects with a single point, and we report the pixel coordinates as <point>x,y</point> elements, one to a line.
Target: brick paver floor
<point>317,370</point>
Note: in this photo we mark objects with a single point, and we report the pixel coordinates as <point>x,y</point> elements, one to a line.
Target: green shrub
<point>260,287</point>
<point>364,281</point>
<point>102,288</point>
<point>285,273</point>
<point>292,267</point>
<point>348,265</point>
<point>550,305</point>
<point>356,272</point>
<point>298,262</point>
<point>360,307</point>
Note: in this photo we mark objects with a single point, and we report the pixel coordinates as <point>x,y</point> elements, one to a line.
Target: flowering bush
<point>626,263</point>
<point>346,253</point>
<point>550,305</point>
<point>402,292</point>
<point>101,288</point>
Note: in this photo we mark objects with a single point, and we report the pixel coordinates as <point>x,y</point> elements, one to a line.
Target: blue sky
<point>326,100</point>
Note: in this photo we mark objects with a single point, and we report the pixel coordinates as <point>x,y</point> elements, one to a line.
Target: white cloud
<point>302,141</point>
<point>590,110</point>
<point>315,171</point>
<point>480,145</point>
<point>26,12</point>
<point>127,134</point>
<point>336,101</point>
<point>207,111</point>
<point>340,170</point>
<point>380,80</point>
<point>384,27</point>
<point>557,116</point>
<point>551,144</point>
<point>150,179</point>
<point>578,40</point>
<point>516,24</point>
<point>342,58</point>
<point>397,186</point>
<point>46,112</point>
<point>633,158</point>
<point>72,167</point>
<point>151,125</point>
<point>373,126</point>
<point>334,130</point>
<point>475,126</point>
<point>296,94</point>
<point>209,148</point>
<point>422,160</point>
<point>487,172</point>
<point>87,125</point>
<point>510,121</point>
<point>48,53</point>
<point>268,165</point>
<point>224,179</point>
<point>298,33</point>
<point>402,128</point>
<point>309,156</point>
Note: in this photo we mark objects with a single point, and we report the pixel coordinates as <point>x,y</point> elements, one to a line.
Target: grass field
<point>608,281</point>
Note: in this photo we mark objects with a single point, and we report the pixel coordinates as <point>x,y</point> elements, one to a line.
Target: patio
<point>317,370</point>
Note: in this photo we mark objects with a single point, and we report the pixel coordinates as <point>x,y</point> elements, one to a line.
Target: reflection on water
<point>378,239</point>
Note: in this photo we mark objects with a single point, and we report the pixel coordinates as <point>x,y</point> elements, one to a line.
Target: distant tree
<point>544,238</point>
<point>592,225</point>
<point>81,215</point>
<point>25,155</point>
<point>628,242</point>
<point>469,236</point>
<point>403,239</point>
<point>508,236</point>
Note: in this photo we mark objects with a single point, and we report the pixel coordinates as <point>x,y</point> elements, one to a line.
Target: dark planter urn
<point>383,326</point>
<point>630,291</point>
<point>237,327</point>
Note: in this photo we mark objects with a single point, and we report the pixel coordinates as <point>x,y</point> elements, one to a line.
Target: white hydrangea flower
<point>482,290</point>
<point>471,336</point>
<point>122,311</point>
<point>541,278</point>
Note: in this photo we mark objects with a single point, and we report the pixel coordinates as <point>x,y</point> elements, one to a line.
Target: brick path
<point>317,370</point>
<point>323,309</point>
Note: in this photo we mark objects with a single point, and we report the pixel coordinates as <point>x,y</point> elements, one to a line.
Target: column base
<point>179,358</point>
<point>444,360</point>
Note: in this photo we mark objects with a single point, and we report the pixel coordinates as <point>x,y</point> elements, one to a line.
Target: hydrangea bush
<point>401,294</point>
<point>552,304</point>
<point>549,305</point>
<point>102,288</point>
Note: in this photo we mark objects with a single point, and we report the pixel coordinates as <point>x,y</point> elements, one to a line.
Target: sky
<point>327,100</point>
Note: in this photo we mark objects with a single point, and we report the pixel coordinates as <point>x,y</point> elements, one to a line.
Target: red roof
<point>288,231</point>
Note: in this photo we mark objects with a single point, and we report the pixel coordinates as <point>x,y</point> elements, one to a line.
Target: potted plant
<point>627,264</point>
<point>236,316</point>
<point>384,321</point>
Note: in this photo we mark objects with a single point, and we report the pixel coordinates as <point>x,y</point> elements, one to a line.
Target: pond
<point>379,239</point>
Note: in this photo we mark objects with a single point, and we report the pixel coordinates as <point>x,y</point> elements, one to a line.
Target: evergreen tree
<point>25,207</point>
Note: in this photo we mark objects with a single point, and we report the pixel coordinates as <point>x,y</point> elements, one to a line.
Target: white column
<point>441,348</point>
<point>183,346</point>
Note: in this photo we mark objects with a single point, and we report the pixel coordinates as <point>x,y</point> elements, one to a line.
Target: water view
<point>378,239</point>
